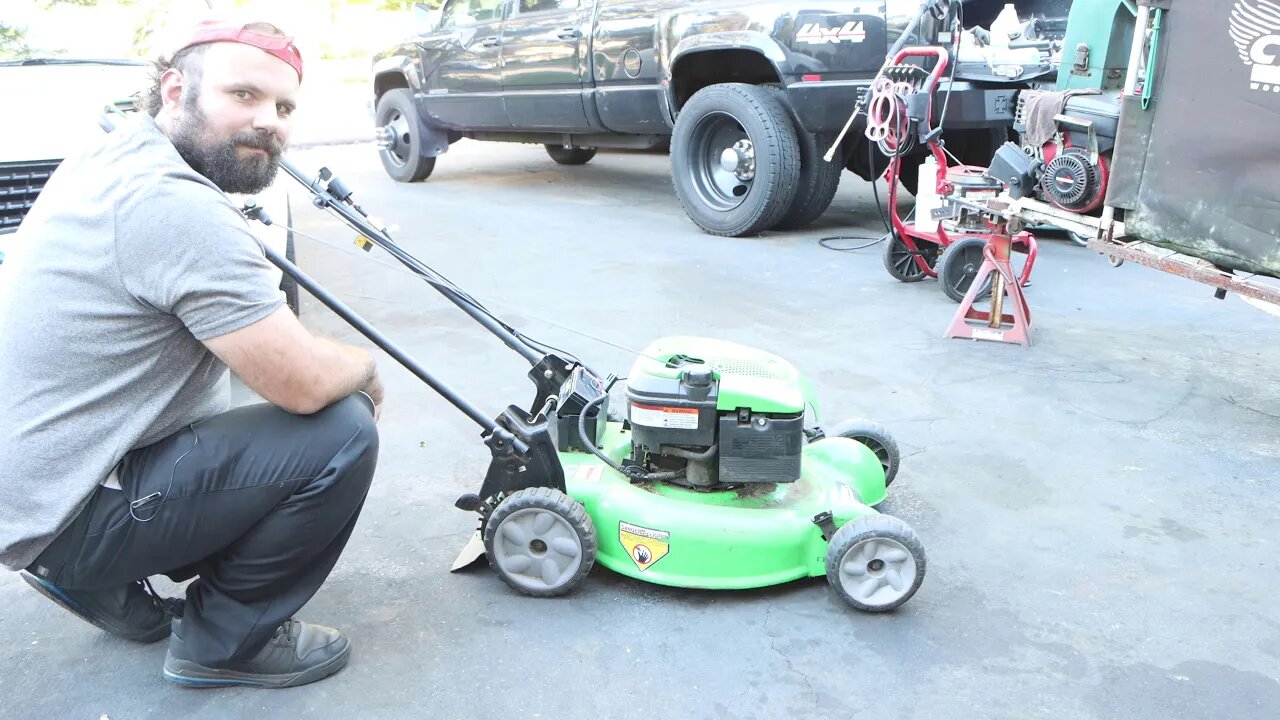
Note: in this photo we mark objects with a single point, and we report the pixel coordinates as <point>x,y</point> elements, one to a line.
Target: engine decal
<point>664,417</point>
<point>645,546</point>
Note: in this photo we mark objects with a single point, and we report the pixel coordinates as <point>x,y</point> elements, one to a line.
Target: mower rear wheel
<point>875,562</point>
<point>900,261</point>
<point>876,438</point>
<point>959,266</point>
<point>540,541</point>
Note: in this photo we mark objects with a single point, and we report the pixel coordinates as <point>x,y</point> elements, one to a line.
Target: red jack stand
<point>995,325</point>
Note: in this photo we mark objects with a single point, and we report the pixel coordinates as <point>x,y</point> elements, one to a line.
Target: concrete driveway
<point>1099,510</point>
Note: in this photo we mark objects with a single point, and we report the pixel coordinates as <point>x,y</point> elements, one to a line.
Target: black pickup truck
<point>749,94</point>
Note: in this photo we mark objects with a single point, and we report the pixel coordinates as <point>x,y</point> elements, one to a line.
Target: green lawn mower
<point>708,479</point>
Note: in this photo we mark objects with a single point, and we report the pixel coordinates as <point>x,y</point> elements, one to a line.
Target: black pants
<point>257,502</point>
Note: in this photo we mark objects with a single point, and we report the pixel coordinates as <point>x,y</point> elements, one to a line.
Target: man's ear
<point>172,85</point>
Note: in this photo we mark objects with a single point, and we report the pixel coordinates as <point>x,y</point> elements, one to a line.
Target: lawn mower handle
<point>400,356</point>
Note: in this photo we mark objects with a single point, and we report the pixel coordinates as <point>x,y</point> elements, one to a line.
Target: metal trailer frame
<point>1110,237</point>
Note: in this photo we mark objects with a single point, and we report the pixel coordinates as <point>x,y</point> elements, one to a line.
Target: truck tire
<point>735,159</point>
<point>977,146</point>
<point>819,179</point>
<point>402,159</point>
<point>909,173</point>
<point>818,183</point>
<point>571,155</point>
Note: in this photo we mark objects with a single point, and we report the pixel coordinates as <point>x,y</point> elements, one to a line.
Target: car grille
<point>20,183</point>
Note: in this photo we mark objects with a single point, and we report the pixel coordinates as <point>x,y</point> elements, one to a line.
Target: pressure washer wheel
<point>876,438</point>
<point>541,542</point>
<point>959,266</point>
<point>875,562</point>
<point>900,261</point>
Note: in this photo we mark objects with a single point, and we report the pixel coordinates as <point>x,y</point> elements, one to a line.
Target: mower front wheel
<point>875,562</point>
<point>541,542</point>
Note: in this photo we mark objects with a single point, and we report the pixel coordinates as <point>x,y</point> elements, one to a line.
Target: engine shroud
<point>725,414</point>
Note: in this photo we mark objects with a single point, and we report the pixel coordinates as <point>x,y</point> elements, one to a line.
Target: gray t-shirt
<point>127,261</point>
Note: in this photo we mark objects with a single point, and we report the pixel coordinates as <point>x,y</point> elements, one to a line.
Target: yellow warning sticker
<point>645,546</point>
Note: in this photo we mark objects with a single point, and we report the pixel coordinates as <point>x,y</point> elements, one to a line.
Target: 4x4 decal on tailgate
<point>815,34</point>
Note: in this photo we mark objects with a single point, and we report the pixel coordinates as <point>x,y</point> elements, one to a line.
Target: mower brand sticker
<point>645,546</point>
<point>815,34</point>
<point>1254,28</point>
<point>664,417</point>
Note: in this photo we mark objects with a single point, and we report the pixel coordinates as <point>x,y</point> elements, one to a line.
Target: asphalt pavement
<point>1099,510</point>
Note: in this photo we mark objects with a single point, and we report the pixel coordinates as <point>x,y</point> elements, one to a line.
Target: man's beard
<point>221,163</point>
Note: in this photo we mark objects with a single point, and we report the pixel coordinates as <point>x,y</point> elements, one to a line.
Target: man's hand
<point>288,366</point>
<point>374,390</point>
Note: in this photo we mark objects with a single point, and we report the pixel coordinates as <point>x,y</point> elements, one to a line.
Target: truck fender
<point>387,73</point>
<point>397,65</point>
<point>728,40</point>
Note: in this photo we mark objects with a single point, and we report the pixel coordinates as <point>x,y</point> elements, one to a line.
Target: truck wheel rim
<point>538,549</point>
<point>878,571</point>
<point>723,163</point>
<point>393,137</point>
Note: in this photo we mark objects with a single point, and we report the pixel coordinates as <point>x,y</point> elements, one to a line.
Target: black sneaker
<point>299,653</point>
<point>133,611</point>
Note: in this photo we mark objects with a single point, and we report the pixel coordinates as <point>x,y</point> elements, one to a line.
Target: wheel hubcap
<point>722,162</point>
<point>393,138</point>
<point>537,548</point>
<point>878,571</point>
<point>740,160</point>
<point>970,262</point>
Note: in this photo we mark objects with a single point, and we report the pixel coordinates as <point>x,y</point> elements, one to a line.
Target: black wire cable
<point>634,473</point>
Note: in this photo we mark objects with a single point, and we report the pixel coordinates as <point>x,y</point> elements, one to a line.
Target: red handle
<point>944,61</point>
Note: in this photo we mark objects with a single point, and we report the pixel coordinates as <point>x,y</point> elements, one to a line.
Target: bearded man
<point>136,284</point>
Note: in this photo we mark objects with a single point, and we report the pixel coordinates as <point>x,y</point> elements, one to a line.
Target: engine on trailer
<point>711,414</point>
<point>1071,135</point>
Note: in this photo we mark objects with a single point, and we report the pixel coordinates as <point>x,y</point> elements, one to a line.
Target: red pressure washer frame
<point>908,233</point>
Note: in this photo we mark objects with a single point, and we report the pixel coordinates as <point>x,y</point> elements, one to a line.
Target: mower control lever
<point>524,455</point>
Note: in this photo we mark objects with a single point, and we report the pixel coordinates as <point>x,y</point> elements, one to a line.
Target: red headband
<point>210,31</point>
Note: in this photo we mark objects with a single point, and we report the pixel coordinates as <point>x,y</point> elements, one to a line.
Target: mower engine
<point>1076,159</point>
<point>709,414</point>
